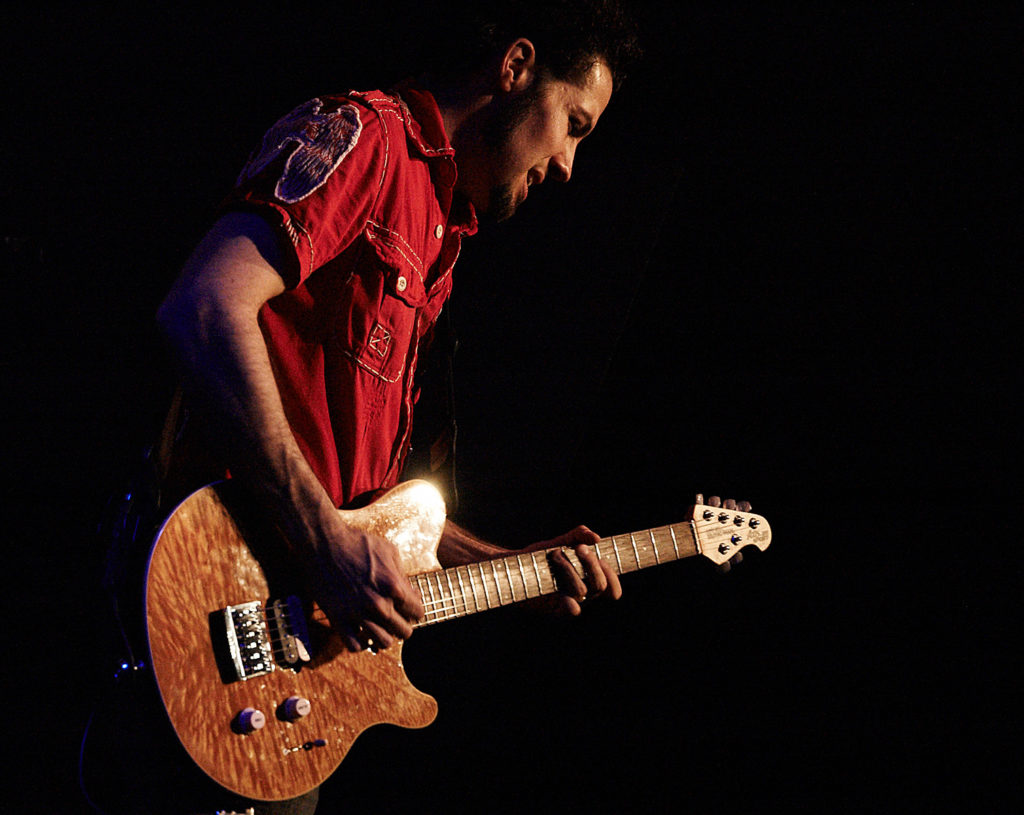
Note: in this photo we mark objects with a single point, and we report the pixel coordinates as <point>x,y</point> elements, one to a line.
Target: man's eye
<point>575,127</point>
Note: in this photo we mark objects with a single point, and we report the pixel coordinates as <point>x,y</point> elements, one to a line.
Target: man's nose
<point>561,163</point>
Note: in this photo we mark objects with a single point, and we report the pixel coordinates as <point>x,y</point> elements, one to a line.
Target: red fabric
<point>358,187</point>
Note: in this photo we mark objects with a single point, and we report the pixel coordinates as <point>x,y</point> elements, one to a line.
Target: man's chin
<point>501,205</point>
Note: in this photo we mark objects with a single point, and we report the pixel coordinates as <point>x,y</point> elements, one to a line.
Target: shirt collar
<point>425,128</point>
<point>424,123</point>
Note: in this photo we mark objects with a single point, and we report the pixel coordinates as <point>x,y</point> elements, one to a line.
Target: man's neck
<point>457,103</point>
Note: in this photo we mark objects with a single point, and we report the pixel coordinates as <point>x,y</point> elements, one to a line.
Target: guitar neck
<point>463,590</point>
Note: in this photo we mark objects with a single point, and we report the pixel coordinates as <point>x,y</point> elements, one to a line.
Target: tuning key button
<point>294,708</point>
<point>250,720</point>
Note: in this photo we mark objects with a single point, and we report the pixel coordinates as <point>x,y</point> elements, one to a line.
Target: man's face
<point>535,134</point>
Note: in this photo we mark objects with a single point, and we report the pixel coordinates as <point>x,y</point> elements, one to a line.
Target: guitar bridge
<point>256,642</point>
<point>247,640</point>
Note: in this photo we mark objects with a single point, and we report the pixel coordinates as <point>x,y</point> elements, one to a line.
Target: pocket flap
<point>403,273</point>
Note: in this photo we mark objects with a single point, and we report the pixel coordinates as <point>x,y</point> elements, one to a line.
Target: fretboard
<point>462,590</point>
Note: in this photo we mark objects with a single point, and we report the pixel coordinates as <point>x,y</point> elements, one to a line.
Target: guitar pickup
<point>289,635</point>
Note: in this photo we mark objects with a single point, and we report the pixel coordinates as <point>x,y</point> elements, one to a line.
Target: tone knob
<point>250,720</point>
<point>294,708</point>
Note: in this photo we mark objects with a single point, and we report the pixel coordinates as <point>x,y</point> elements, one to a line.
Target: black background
<point>781,272</point>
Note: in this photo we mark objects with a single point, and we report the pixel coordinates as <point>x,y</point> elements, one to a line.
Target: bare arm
<point>459,546</point>
<point>210,320</point>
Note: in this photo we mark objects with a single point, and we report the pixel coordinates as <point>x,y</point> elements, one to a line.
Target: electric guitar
<point>259,690</point>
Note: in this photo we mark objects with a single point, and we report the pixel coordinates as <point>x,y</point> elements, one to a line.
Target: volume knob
<point>250,720</point>
<point>294,708</point>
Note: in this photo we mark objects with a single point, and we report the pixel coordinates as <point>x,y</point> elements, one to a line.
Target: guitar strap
<point>126,528</point>
<point>168,435</point>
<point>435,430</point>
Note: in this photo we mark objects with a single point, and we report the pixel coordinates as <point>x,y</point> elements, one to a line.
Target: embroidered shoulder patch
<point>318,142</point>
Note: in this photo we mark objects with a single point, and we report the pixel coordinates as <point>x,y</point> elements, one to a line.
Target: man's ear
<point>518,66</point>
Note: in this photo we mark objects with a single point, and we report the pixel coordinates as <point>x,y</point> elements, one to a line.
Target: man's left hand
<point>598,579</point>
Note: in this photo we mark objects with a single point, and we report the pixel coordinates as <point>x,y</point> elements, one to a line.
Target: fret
<point>451,591</point>
<point>618,560</point>
<point>675,543</point>
<point>497,586</point>
<point>433,601</point>
<point>545,582</point>
<point>508,576</point>
<point>440,593</point>
<point>436,601</point>
<point>423,597</point>
<point>536,571</point>
<point>654,544</point>
<point>487,596</point>
<point>636,553</point>
<point>472,587</point>
<point>462,590</point>
<point>522,576</point>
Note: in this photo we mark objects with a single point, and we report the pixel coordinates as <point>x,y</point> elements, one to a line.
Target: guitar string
<point>452,605</point>
<point>465,603</point>
<point>433,579</point>
<point>459,604</point>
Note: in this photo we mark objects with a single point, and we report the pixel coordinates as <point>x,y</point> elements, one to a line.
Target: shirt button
<point>401,283</point>
<point>438,231</point>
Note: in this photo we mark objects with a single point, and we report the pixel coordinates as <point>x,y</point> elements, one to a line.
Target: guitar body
<point>208,559</point>
<point>258,688</point>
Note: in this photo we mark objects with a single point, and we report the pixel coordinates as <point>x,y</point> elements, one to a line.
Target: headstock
<point>721,533</point>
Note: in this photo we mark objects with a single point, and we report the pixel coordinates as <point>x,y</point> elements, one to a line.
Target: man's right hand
<point>359,583</point>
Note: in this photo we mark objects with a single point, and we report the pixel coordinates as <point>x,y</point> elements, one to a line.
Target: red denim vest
<point>360,189</point>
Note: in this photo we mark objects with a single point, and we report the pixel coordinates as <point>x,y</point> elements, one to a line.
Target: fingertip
<point>584,534</point>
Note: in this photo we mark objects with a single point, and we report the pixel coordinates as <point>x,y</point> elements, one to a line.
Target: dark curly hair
<point>569,35</point>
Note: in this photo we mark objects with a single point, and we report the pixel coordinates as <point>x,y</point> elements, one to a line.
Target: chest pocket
<point>384,324</point>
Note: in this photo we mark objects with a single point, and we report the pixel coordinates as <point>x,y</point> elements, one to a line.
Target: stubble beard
<point>497,136</point>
